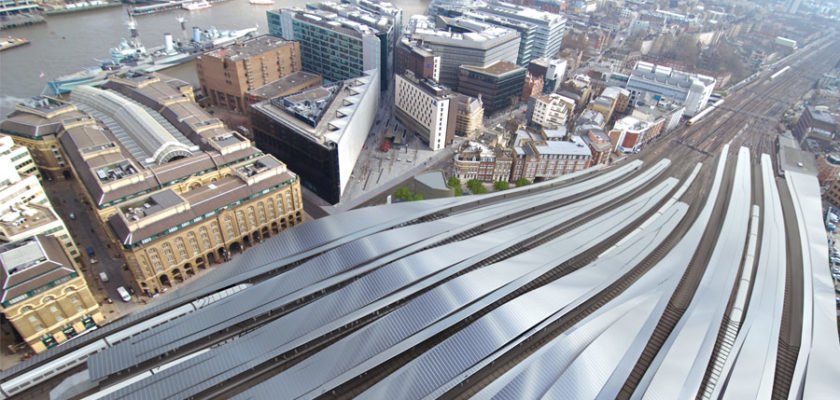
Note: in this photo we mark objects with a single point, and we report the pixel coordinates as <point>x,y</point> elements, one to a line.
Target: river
<point>71,42</point>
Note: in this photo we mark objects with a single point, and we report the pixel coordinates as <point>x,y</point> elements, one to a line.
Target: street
<point>66,198</point>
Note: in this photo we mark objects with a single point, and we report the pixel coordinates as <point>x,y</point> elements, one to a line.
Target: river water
<point>70,42</point>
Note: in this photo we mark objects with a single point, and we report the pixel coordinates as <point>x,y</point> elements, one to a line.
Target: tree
<point>403,194</point>
<point>453,182</point>
<point>418,197</point>
<point>501,185</point>
<point>522,182</point>
<point>476,187</point>
<point>459,191</point>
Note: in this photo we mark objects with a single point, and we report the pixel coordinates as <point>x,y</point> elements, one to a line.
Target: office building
<point>499,85</point>
<point>487,45</point>
<point>331,46</point>
<point>320,132</point>
<point>467,23</point>
<point>549,111</point>
<point>426,108</point>
<point>384,18</point>
<point>290,84</point>
<point>43,295</point>
<point>815,122</point>
<point>550,27</point>
<point>35,124</point>
<point>226,74</point>
<point>546,154</point>
<point>612,100</point>
<point>660,82</point>
<point>176,189</point>
<point>469,115</point>
<point>421,61</point>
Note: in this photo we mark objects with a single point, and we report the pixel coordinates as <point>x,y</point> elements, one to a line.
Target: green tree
<point>403,194</point>
<point>459,191</point>
<point>476,187</point>
<point>453,182</point>
<point>418,197</point>
<point>501,185</point>
<point>522,182</point>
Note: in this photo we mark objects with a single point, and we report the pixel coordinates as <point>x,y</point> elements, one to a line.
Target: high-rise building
<point>320,132</point>
<point>421,61</point>
<point>550,27</point>
<point>467,23</point>
<point>487,45</point>
<point>43,295</point>
<point>426,108</point>
<point>659,82</point>
<point>792,6</point>
<point>226,74</point>
<point>499,85</point>
<point>384,18</point>
<point>331,46</point>
<point>551,71</point>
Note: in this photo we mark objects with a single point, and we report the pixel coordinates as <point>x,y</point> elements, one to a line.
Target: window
<point>229,227</point>
<point>240,219</point>
<point>251,218</point>
<point>154,258</point>
<point>217,235</point>
<point>193,243</point>
<point>205,238</point>
<point>182,249</point>
<point>36,323</point>
<point>77,303</point>
<point>59,316</point>
<point>170,256</point>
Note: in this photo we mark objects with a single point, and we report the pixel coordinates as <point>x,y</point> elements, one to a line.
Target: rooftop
<point>522,12</point>
<point>423,28</point>
<point>551,142</point>
<point>249,48</point>
<point>331,21</point>
<point>321,113</point>
<point>31,264</point>
<point>667,75</point>
<point>498,68</point>
<point>286,84</point>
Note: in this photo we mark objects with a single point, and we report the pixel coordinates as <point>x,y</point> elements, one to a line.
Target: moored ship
<point>131,54</point>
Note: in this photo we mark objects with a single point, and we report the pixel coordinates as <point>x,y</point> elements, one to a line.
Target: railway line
<point>368,303</point>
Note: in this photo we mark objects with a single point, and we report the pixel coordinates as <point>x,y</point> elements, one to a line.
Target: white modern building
<point>426,108</point>
<point>18,156</point>
<point>660,82</point>
<point>25,210</point>
<point>487,45</point>
<point>550,27</point>
<point>549,111</point>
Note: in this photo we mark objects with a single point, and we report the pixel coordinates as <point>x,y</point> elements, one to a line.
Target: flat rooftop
<point>249,48</point>
<point>286,84</point>
<point>498,68</point>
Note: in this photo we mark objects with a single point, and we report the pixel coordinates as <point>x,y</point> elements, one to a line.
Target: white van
<point>124,295</point>
<point>103,277</point>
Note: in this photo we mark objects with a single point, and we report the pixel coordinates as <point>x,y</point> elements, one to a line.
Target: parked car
<point>124,295</point>
<point>103,277</point>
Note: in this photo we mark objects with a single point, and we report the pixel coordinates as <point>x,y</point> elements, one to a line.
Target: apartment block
<point>226,75</point>
<point>549,111</point>
<point>421,61</point>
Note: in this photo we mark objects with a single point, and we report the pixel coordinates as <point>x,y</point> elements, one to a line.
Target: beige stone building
<point>43,294</point>
<point>469,115</point>
<point>227,74</point>
<point>176,188</point>
<point>36,124</point>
